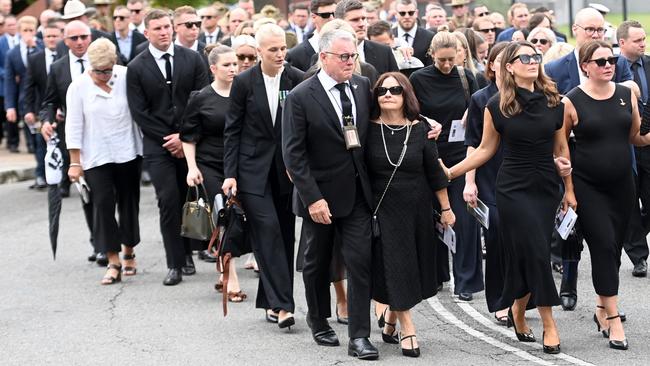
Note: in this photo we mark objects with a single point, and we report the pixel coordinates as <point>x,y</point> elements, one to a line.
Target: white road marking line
<point>440,309</point>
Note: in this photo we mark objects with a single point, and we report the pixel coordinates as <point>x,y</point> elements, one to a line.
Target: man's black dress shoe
<point>569,301</point>
<point>465,296</point>
<point>569,285</point>
<point>206,256</point>
<point>326,337</point>
<point>101,260</point>
<point>188,269</point>
<point>92,257</point>
<point>174,277</point>
<point>362,349</point>
<point>64,191</point>
<point>640,269</point>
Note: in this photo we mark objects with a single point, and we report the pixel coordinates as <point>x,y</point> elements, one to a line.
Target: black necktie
<point>209,39</point>
<point>346,104</point>
<point>53,56</point>
<point>168,69</point>
<point>81,62</point>
<point>406,37</point>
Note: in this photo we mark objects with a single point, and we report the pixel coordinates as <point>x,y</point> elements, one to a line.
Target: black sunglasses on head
<point>603,61</point>
<point>527,59</point>
<point>542,41</point>
<point>326,15</point>
<point>121,18</point>
<point>190,25</point>
<point>394,90</point>
<point>83,37</point>
<point>403,13</point>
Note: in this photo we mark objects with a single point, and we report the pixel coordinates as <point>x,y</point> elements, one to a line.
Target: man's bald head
<point>588,14</point>
<point>589,25</point>
<point>76,26</point>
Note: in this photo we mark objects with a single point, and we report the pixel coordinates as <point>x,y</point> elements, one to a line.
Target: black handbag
<point>197,219</point>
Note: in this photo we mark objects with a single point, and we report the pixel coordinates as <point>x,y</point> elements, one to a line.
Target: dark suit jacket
<point>564,72</point>
<point>14,91</point>
<point>301,56</point>
<point>4,50</point>
<point>380,56</point>
<point>62,49</point>
<point>421,44</point>
<point>157,109</point>
<point>58,81</point>
<point>314,148</point>
<point>136,39</point>
<point>35,82</point>
<point>252,143</point>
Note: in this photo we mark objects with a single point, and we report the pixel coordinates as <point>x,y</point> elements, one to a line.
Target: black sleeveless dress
<point>527,196</point>
<point>603,180</point>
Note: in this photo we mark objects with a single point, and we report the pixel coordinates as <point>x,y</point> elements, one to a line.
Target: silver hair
<point>268,30</point>
<point>327,38</point>
<point>243,40</point>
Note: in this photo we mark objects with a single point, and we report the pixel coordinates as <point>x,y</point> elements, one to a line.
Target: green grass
<point>615,19</point>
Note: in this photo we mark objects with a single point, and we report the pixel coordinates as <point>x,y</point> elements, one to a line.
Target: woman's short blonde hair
<point>102,53</point>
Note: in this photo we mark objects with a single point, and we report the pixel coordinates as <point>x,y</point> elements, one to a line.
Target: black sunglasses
<point>483,14</point>
<point>190,25</point>
<point>326,15</point>
<point>136,11</point>
<point>394,90</point>
<point>403,13</point>
<point>527,59</point>
<point>103,72</point>
<point>251,58</point>
<point>603,61</point>
<point>542,41</point>
<point>488,30</point>
<point>121,18</point>
<point>344,57</point>
<point>207,17</point>
<point>83,37</point>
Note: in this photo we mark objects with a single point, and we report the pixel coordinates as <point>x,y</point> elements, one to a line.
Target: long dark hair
<point>410,108</point>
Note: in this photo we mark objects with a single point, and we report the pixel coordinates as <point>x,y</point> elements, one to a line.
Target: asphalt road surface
<point>56,312</point>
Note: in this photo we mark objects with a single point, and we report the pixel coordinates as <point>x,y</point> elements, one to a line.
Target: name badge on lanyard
<point>350,133</point>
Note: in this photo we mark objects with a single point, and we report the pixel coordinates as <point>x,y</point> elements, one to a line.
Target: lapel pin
<point>622,102</point>
<point>355,86</point>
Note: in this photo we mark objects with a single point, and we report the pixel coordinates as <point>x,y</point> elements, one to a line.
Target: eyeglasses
<point>207,17</point>
<point>121,18</point>
<point>443,60</point>
<point>488,30</point>
<point>105,72</point>
<point>83,37</point>
<point>528,59</point>
<point>326,15</point>
<point>591,30</point>
<point>601,62</point>
<point>344,57</point>
<point>403,13</point>
<point>251,58</point>
<point>483,14</point>
<point>542,41</point>
<point>394,90</point>
<point>135,11</point>
<point>190,25</point>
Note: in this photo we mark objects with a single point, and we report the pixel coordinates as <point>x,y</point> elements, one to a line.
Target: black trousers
<point>3,119</point>
<point>636,245</point>
<point>354,233</point>
<point>168,175</point>
<point>112,184</point>
<point>271,230</point>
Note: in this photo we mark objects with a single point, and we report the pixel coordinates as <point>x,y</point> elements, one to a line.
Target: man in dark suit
<point>332,189</point>
<point>187,25</point>
<point>631,40</point>
<point>8,41</point>
<point>408,32</point>
<point>159,82</point>
<point>589,25</point>
<point>301,56</point>
<point>378,55</point>
<point>255,171</point>
<point>210,16</point>
<point>298,17</point>
<point>126,41</point>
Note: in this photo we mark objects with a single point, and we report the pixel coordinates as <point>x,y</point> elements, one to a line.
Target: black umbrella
<point>54,211</point>
<point>53,173</point>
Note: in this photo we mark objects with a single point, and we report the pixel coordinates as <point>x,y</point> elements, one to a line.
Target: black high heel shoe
<point>550,349</point>
<point>412,352</point>
<point>622,345</point>
<point>391,338</point>
<point>286,322</point>
<point>522,337</point>
<point>604,331</point>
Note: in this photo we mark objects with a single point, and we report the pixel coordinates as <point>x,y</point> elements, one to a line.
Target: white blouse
<point>100,123</point>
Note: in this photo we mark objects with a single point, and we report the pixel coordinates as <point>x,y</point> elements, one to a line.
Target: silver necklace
<point>392,129</point>
<point>404,146</point>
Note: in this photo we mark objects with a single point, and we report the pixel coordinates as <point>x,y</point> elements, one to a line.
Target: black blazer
<point>35,82</point>
<point>251,141</point>
<point>301,56</point>
<point>421,44</point>
<point>136,39</point>
<point>62,49</point>
<point>380,56</point>
<point>314,148</point>
<point>154,107</point>
<point>58,81</point>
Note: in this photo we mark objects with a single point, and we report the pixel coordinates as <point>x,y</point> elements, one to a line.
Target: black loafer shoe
<point>465,296</point>
<point>174,277</point>
<point>92,257</point>
<point>640,269</point>
<point>569,301</point>
<point>101,260</point>
<point>206,256</point>
<point>362,349</point>
<point>326,337</point>
<point>188,269</point>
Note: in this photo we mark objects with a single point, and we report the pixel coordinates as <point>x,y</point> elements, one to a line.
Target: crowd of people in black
<point>378,127</point>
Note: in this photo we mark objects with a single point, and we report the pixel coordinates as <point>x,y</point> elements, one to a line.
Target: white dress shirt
<point>362,54</point>
<point>335,96</point>
<point>212,37</point>
<point>75,67</point>
<point>401,32</point>
<point>49,59</point>
<point>300,32</point>
<point>12,40</point>
<point>100,123</point>
<point>160,61</point>
<point>194,47</point>
<point>140,27</point>
<point>272,86</point>
<point>582,76</point>
<point>313,41</point>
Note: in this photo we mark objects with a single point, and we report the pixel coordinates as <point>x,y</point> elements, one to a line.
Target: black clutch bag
<point>645,119</point>
<point>197,220</point>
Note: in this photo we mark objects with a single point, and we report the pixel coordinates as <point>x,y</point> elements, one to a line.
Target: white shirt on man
<point>334,95</point>
<point>160,61</point>
<point>75,65</point>
<point>49,59</point>
<point>139,27</point>
<point>212,37</point>
<point>194,47</point>
<point>401,32</point>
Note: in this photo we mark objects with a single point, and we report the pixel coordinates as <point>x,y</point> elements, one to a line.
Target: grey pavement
<point>56,313</point>
<point>16,167</point>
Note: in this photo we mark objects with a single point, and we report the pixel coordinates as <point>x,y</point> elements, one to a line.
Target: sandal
<point>236,296</point>
<point>129,270</point>
<point>109,280</point>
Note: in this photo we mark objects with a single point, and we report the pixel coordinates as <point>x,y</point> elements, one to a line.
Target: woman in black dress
<point>442,97</point>
<point>405,176</point>
<point>605,119</point>
<point>528,116</point>
<point>202,136</point>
